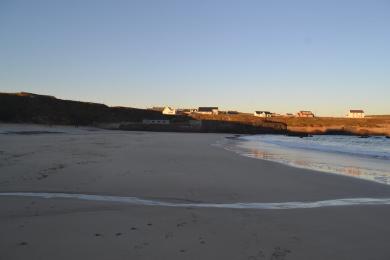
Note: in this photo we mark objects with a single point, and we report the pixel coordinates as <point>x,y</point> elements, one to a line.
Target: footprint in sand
<point>260,255</point>
<point>141,246</point>
<point>182,224</point>
<point>168,235</point>
<point>201,240</point>
<point>279,253</point>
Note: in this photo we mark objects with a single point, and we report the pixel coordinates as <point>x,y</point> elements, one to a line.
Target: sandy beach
<point>173,167</point>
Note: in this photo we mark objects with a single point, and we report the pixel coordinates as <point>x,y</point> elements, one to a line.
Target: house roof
<point>207,109</point>
<point>232,112</point>
<point>356,111</point>
<point>265,112</point>
<point>186,109</point>
<point>161,108</point>
<point>158,108</point>
<point>305,112</point>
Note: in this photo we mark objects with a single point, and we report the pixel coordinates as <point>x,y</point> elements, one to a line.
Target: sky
<point>282,56</point>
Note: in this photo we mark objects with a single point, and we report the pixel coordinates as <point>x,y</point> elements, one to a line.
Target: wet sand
<point>173,167</point>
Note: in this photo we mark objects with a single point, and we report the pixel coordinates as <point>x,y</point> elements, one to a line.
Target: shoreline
<point>253,154</point>
<point>279,172</point>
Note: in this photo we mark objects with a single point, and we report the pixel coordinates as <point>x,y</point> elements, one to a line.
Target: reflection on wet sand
<point>301,163</point>
<point>261,154</point>
<point>352,171</point>
<point>358,167</point>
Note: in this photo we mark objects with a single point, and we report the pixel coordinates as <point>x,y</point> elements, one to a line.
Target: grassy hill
<point>332,121</point>
<point>41,109</point>
<point>372,125</point>
<point>372,121</point>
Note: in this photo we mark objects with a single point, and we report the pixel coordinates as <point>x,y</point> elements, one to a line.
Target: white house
<point>208,110</point>
<point>262,114</point>
<point>356,113</point>
<point>165,110</point>
<point>169,111</point>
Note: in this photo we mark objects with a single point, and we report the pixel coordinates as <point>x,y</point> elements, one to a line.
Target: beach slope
<point>179,168</point>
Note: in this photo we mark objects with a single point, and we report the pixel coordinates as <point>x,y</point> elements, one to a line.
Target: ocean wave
<point>375,147</point>
<point>344,155</point>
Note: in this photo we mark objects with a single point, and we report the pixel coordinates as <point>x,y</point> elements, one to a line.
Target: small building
<point>305,113</point>
<point>165,110</point>
<point>155,122</point>
<point>355,113</point>
<point>262,114</point>
<point>231,112</point>
<point>208,110</point>
<point>186,111</point>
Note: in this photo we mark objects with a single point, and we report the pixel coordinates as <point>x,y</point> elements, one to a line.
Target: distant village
<point>44,109</point>
<point>166,110</point>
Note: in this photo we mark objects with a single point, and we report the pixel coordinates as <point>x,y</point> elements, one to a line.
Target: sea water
<point>365,158</point>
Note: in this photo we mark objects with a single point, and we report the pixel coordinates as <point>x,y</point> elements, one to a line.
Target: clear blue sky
<point>326,56</point>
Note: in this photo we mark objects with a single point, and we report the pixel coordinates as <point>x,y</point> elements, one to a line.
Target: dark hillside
<point>41,109</point>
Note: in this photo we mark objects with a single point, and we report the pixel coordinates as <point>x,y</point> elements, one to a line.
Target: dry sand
<point>173,167</point>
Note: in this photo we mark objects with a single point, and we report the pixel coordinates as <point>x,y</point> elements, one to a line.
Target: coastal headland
<point>42,109</point>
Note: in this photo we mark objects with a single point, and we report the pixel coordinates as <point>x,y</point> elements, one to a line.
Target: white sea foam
<point>238,205</point>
